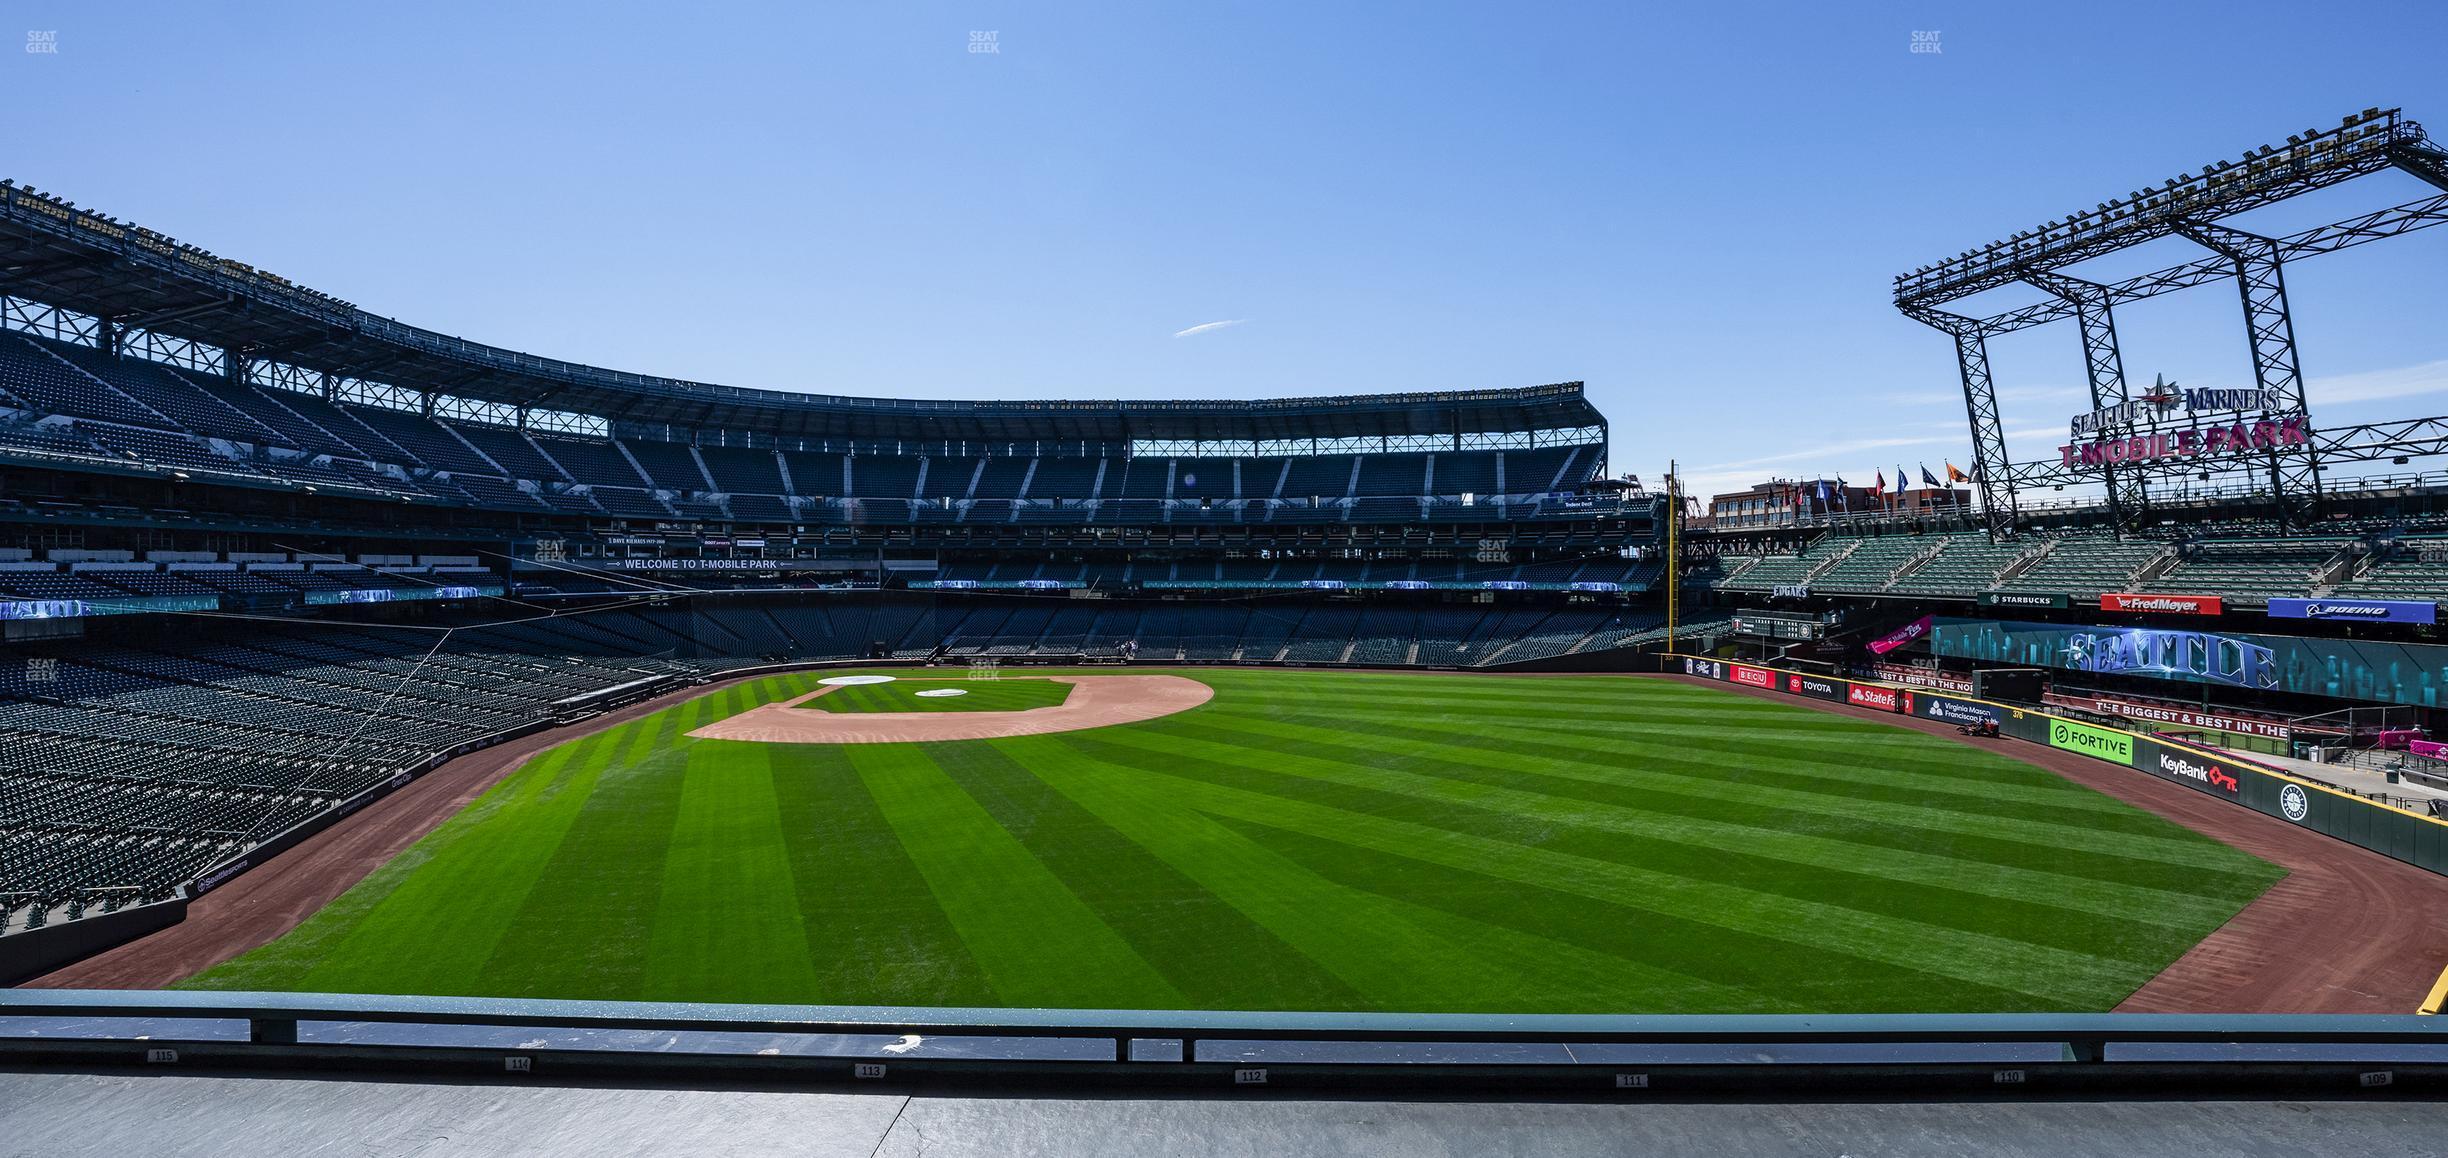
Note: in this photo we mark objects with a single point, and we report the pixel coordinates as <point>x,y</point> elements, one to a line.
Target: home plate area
<point>1088,702</point>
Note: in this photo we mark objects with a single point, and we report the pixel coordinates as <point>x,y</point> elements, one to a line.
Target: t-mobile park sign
<point>2211,441</point>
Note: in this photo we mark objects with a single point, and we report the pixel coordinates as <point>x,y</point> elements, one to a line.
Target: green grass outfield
<point>1305,840</point>
<point>997,695</point>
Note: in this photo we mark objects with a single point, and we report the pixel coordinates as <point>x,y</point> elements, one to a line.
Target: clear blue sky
<point>1695,209</point>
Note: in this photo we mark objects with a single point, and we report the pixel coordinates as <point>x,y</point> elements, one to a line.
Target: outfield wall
<point>2421,841</point>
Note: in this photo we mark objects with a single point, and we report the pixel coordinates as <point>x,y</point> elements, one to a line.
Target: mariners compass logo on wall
<point>2293,802</point>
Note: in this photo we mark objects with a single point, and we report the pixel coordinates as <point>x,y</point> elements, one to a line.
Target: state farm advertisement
<point>1865,696</point>
<point>2161,604</point>
<point>1755,676</point>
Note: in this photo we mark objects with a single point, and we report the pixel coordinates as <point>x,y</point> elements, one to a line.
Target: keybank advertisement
<point>2386,673</point>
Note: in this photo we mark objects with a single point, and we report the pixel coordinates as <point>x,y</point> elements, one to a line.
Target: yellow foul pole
<point>1674,558</point>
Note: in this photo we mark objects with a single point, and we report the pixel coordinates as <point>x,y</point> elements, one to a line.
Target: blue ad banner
<point>399,594</point>
<point>2356,610</point>
<point>126,605</point>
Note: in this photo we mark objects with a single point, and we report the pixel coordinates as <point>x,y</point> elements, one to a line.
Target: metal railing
<point>474,1035</point>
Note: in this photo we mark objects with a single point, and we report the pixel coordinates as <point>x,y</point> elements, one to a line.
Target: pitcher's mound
<point>1095,702</point>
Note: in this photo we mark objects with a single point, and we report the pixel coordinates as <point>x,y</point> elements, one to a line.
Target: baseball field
<point>1323,840</point>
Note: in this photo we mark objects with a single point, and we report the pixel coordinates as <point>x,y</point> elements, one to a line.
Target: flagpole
<point>1674,561</point>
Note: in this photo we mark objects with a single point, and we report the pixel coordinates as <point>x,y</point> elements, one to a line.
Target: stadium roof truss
<point>134,279</point>
<point>2190,207</point>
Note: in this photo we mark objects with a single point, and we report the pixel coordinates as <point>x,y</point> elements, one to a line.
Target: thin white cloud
<point>2377,385</point>
<point>2004,394</point>
<point>1830,451</point>
<point>1207,327</point>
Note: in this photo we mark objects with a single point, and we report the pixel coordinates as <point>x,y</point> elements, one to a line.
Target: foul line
<point>2438,997</point>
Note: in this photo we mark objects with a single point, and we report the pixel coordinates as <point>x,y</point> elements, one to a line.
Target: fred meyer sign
<point>2097,743</point>
<point>2164,604</point>
<point>2356,610</point>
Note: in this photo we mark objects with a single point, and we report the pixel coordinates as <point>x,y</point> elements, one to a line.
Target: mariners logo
<point>2293,802</point>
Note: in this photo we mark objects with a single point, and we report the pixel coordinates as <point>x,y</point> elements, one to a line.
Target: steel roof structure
<point>55,253</point>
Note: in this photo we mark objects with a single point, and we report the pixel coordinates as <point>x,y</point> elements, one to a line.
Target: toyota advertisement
<point>1816,687</point>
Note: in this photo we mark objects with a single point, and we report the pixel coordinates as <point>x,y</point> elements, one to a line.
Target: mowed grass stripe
<point>324,944</point>
<point>1306,839</point>
<point>1971,843</point>
<point>868,918</point>
<point>1732,776</point>
<point>1218,957</point>
<point>604,882</point>
<point>1036,942</point>
<point>1401,955</point>
<point>1879,761</point>
<point>2022,966</point>
<point>1803,855</point>
<point>379,936</point>
<point>727,925</point>
<point>1782,975</point>
<point>1764,881</point>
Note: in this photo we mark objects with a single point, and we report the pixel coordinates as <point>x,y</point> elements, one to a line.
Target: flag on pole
<point>1956,476</point>
<point>1841,487</point>
<point>1927,479</point>
<point>1879,486</point>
